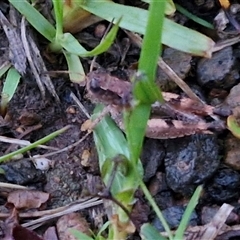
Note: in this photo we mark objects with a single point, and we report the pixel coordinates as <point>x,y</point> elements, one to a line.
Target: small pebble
<point>218,71</point>
<point>22,172</point>
<point>152,157</point>
<point>99,30</point>
<point>189,161</point>
<point>180,63</point>
<point>173,216</point>
<point>224,186</point>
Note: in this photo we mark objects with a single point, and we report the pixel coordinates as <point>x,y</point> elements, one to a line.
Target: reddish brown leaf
<point>27,199</point>
<point>13,231</point>
<point>50,234</point>
<point>21,233</point>
<point>71,221</point>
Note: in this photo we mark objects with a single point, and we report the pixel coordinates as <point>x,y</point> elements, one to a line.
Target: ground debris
<point>213,229</point>
<point>13,231</point>
<point>16,51</point>
<point>27,199</point>
<point>71,221</point>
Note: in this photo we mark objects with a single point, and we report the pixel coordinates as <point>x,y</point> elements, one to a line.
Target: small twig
<point>225,43</point>
<point>17,53</point>
<point>167,70</point>
<point>165,67</point>
<point>50,214</point>
<point>68,147</point>
<point>29,130</point>
<point>80,105</point>
<point>29,58</point>
<point>23,143</point>
<point>10,185</point>
<point>105,111</point>
<point>105,33</point>
<point>36,63</point>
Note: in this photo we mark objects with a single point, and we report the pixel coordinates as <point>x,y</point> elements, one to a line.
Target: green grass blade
<point>135,19</point>
<point>148,232</point>
<point>135,127</point>
<point>169,8</point>
<point>58,10</point>
<point>11,83</point>
<point>33,145</point>
<point>156,209</point>
<point>187,214</point>
<point>36,19</point>
<point>151,45</point>
<point>136,120</point>
<point>75,68</point>
<point>111,143</point>
<point>71,45</point>
<point>79,235</point>
<point>141,83</point>
<point>193,17</point>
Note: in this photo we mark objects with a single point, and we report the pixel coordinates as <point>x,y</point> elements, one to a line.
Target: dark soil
<point>173,168</point>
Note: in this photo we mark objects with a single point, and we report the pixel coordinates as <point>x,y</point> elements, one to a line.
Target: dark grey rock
<point>173,216</point>
<point>189,161</point>
<point>219,71</point>
<point>224,186</point>
<point>22,172</point>
<point>152,157</point>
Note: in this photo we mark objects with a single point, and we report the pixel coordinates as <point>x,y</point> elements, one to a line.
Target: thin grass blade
<point>135,20</point>
<point>11,83</point>
<point>36,19</point>
<point>71,45</point>
<point>111,144</point>
<point>75,68</point>
<point>33,145</point>
<point>188,212</point>
<point>148,232</point>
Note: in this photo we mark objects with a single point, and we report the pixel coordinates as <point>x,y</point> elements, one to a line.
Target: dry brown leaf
<point>87,125</point>
<point>27,199</point>
<point>85,158</point>
<point>71,221</point>
<point>50,234</point>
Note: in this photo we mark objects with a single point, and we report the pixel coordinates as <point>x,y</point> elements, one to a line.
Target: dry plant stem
<point>68,147</point>
<point>12,186</point>
<point>17,56</point>
<point>178,80</point>
<point>36,63</point>
<point>171,74</point>
<point>5,64</point>
<point>104,35</point>
<point>213,228</point>
<point>225,43</point>
<point>50,214</point>
<point>29,58</point>
<point>23,143</point>
<point>29,130</point>
<point>106,110</point>
<point>80,105</point>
